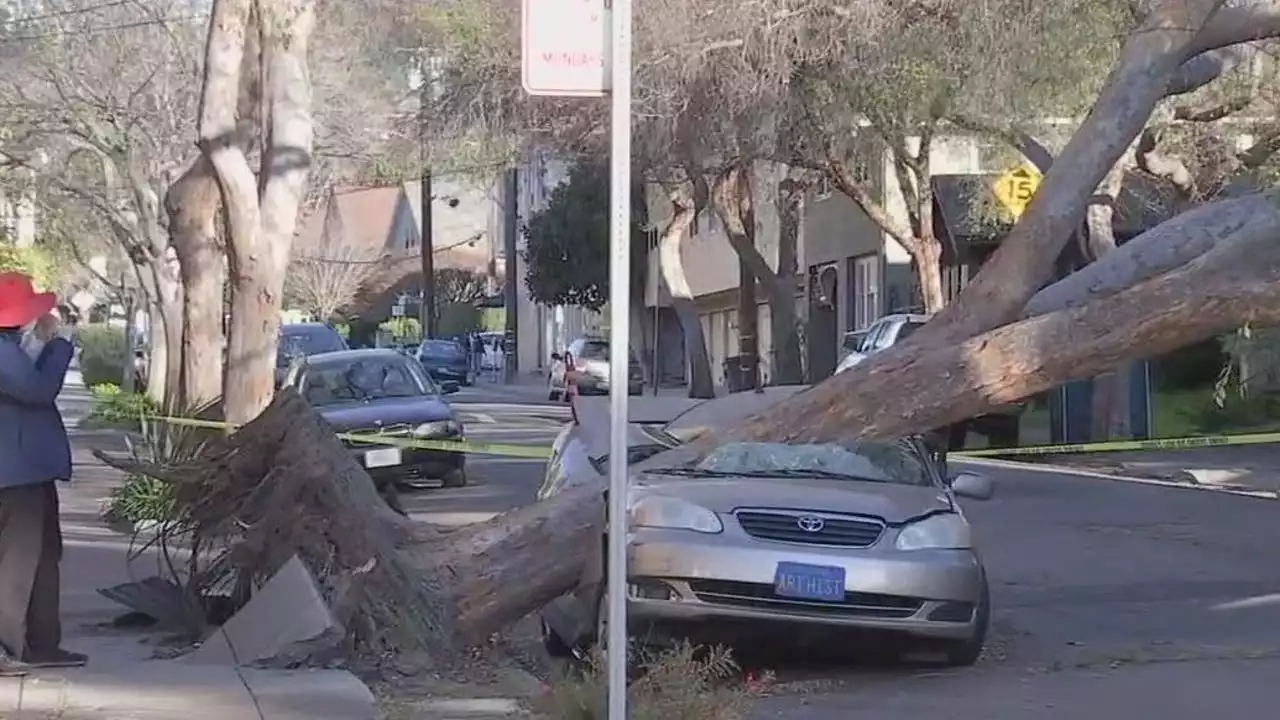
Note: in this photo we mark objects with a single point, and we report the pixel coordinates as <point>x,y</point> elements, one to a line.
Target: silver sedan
<point>787,540</point>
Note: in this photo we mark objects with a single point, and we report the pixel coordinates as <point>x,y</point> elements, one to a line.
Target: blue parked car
<point>446,360</point>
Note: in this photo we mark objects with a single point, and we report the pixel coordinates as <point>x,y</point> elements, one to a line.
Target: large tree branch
<point>1026,259</point>
<point>913,387</point>
<point>1251,219</point>
<point>1027,145</point>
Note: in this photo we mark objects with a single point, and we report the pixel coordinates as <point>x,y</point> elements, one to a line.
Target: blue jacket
<point>33,441</point>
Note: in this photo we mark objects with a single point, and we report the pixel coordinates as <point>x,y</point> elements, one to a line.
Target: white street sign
<point>565,47</point>
<point>397,311</point>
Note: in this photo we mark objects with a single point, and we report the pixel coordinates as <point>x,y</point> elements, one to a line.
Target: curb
<point>1191,483</point>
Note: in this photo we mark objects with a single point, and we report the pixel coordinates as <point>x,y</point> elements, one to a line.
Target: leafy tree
<point>32,261</point>
<point>567,248</point>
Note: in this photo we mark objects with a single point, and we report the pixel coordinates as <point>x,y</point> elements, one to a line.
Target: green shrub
<point>114,408</point>
<point>141,499</point>
<point>104,354</point>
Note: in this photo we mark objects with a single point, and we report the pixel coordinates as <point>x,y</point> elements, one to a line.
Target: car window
<point>299,342</point>
<point>873,460</point>
<point>363,379</point>
<point>852,340</point>
<point>873,334</point>
<point>907,328</point>
<point>593,350</point>
<point>441,348</point>
<point>887,336</point>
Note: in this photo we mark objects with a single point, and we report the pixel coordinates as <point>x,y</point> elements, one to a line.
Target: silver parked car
<point>782,540</point>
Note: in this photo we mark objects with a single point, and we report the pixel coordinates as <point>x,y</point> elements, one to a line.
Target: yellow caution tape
<point>1128,445</point>
<point>532,452</point>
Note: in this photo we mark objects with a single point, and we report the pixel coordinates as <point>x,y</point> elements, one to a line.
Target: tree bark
<point>1111,406</point>
<point>784,321</point>
<point>192,204</point>
<point>671,264</point>
<point>928,385</point>
<point>261,212</point>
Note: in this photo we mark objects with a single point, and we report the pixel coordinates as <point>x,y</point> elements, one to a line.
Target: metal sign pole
<point>619,350</point>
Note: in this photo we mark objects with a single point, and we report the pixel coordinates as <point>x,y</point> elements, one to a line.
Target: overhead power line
<point>100,30</point>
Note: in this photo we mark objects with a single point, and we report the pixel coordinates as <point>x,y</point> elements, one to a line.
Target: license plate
<point>382,457</point>
<point>809,582</point>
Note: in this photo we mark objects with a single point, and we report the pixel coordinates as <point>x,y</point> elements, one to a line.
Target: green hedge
<point>117,409</point>
<point>104,354</point>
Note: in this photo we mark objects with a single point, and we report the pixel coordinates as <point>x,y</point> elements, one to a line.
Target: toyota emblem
<point>811,524</point>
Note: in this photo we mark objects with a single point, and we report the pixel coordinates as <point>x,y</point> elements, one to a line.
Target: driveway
<point>1112,600</point>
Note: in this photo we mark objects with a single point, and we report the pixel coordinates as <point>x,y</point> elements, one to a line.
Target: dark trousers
<point>30,588</point>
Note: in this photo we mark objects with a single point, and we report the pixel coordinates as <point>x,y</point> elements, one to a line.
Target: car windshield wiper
<point>819,473</point>
<point>691,472</point>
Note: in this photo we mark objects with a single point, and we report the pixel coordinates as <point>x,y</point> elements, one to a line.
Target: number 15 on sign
<point>1015,189</point>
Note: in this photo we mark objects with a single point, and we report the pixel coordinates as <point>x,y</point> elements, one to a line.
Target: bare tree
<point>261,207</point>
<point>95,97</point>
<point>326,279</point>
<point>459,285</point>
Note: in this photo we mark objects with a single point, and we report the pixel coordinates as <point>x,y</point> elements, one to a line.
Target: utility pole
<point>428,305</point>
<point>511,217</point>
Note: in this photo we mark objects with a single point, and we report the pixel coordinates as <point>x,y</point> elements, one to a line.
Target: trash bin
<point>741,372</point>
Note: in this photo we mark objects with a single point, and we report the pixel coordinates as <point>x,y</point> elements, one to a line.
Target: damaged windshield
<point>876,461</point>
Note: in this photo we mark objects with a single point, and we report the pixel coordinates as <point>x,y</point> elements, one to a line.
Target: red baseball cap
<point>20,304</point>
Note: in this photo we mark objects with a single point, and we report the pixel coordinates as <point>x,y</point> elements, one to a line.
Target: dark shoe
<point>56,659</point>
<point>12,668</point>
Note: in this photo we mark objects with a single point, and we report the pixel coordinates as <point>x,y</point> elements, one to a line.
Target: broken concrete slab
<point>471,708</point>
<point>310,694</point>
<point>288,609</point>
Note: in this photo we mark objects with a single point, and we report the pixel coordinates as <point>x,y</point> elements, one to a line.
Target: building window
<point>823,189</point>
<point>865,289</point>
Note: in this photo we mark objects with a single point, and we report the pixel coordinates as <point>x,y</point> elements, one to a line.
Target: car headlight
<point>664,511</point>
<point>439,428</point>
<point>948,531</point>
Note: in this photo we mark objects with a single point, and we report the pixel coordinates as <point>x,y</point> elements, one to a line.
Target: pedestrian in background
<point>35,351</point>
<point>477,353</point>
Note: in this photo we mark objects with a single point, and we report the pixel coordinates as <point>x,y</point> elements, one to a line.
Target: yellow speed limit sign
<point>1015,189</point>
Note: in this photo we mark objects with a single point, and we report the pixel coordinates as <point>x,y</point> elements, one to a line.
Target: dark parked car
<point>303,339</point>
<point>381,392</point>
<point>446,360</point>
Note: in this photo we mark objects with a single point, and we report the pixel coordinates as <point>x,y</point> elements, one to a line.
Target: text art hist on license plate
<point>809,582</point>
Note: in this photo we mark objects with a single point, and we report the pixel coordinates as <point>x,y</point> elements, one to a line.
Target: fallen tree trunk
<point>284,485</point>
<point>920,386</point>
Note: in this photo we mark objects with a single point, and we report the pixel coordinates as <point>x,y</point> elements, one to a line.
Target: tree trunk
<point>671,264</point>
<point>922,385</point>
<point>748,325</point>
<point>1111,393</point>
<point>289,487</point>
<point>192,204</point>
<point>261,212</point>
<point>784,321</point>
<point>928,261</point>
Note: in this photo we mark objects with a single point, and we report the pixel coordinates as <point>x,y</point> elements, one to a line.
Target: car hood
<point>385,412</point>
<point>893,503</point>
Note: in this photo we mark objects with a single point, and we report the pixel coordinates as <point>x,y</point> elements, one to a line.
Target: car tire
<point>555,646</point>
<point>964,653</point>
<point>456,478</point>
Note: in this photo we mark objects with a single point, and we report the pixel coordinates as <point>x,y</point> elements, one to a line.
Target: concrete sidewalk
<point>122,680</point>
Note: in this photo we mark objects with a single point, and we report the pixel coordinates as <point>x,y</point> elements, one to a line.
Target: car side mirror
<point>973,486</point>
<point>448,387</point>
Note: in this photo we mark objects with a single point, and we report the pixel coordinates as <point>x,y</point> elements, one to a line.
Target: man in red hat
<point>34,453</point>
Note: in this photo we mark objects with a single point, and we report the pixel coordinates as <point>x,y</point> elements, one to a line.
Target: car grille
<point>397,430</point>
<point>841,531</point>
<point>762,597</point>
